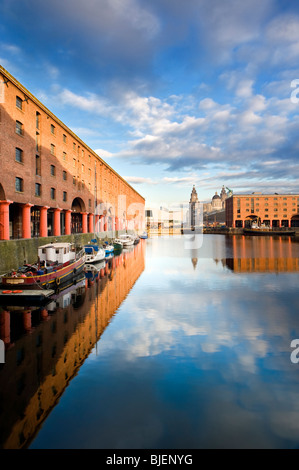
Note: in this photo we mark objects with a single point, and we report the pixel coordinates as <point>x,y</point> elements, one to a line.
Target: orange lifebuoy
<point>17,291</point>
<point>7,291</point>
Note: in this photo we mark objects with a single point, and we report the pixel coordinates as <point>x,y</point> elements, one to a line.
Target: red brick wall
<point>76,163</point>
<point>278,207</point>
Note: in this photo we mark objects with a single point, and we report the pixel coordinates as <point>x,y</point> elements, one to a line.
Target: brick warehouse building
<point>51,182</point>
<point>274,210</point>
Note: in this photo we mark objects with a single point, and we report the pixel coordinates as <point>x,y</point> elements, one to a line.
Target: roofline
<point>264,194</point>
<point>58,121</point>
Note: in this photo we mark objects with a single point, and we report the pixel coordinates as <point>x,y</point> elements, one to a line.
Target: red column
<point>4,220</point>
<point>116,223</point>
<point>90,229</point>
<point>43,228</point>
<point>105,224</point>
<point>57,231</point>
<point>26,225</point>
<point>84,222</point>
<point>101,223</point>
<point>68,222</point>
<point>97,223</point>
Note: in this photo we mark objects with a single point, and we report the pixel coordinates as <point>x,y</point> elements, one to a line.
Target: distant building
<point>194,208</point>
<point>217,203</point>
<point>274,210</point>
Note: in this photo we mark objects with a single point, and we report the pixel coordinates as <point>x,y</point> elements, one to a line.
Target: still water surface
<point>166,347</point>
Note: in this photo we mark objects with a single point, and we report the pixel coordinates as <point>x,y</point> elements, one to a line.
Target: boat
<point>136,240</point>
<point>144,235</point>
<point>126,240</point>
<point>117,245</point>
<point>108,248</point>
<point>57,263</point>
<point>268,232</point>
<point>93,252</point>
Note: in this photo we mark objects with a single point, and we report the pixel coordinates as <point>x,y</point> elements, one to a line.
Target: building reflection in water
<point>45,347</point>
<point>261,254</point>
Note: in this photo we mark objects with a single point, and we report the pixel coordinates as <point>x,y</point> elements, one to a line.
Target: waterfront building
<point>51,182</point>
<point>217,202</point>
<point>274,210</point>
<point>214,211</point>
<point>163,218</point>
<point>194,208</point>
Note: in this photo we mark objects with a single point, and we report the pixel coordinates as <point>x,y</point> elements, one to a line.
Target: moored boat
<point>108,248</point>
<point>57,263</point>
<point>143,235</point>
<point>93,252</point>
<point>268,232</point>
<point>126,240</point>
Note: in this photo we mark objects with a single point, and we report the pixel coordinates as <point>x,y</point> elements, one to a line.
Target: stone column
<point>26,220</point>
<point>90,229</point>
<point>57,230</point>
<point>84,222</point>
<point>68,222</point>
<point>43,228</point>
<point>4,220</point>
<point>97,223</point>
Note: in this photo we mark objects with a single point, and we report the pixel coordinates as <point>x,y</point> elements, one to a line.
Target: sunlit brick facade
<point>51,182</point>
<point>274,210</point>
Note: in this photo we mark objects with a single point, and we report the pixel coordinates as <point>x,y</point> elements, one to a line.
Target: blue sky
<point>170,93</point>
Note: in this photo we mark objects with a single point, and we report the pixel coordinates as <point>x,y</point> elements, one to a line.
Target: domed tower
<point>223,196</point>
<point>216,202</point>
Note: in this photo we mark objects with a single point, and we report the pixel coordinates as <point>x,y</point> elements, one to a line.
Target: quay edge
<point>15,253</point>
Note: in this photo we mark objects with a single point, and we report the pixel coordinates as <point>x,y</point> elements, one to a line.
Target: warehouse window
<point>19,128</point>
<point>19,185</point>
<point>52,193</point>
<point>37,165</point>
<point>19,102</point>
<point>19,155</point>
<point>37,120</point>
<point>37,189</point>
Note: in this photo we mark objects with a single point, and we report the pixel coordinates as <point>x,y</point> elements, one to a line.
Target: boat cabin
<point>59,253</point>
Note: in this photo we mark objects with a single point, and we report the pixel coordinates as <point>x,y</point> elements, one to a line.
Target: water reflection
<point>195,358</point>
<point>46,346</point>
<point>198,355</point>
<point>261,254</point>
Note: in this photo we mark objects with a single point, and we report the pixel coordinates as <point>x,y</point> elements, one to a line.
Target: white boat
<point>126,240</point>
<point>93,252</point>
<point>108,248</point>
